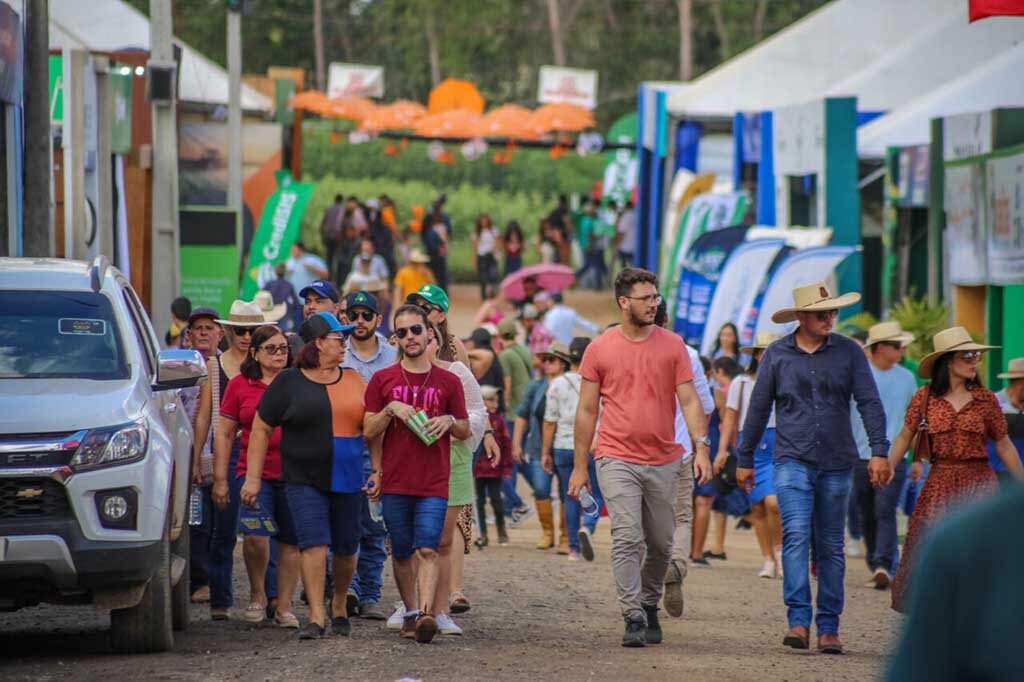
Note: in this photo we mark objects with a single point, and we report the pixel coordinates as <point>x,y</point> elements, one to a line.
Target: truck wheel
<point>181,594</point>
<point>147,626</point>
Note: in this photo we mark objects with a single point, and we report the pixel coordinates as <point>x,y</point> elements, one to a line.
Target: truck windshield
<point>59,335</point>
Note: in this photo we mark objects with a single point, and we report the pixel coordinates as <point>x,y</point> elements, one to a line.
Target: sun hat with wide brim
<point>813,298</point>
<point>243,314</point>
<point>952,340</point>
<point>1014,370</point>
<point>265,300</point>
<point>557,350</point>
<point>418,256</point>
<point>888,331</point>
<point>761,341</point>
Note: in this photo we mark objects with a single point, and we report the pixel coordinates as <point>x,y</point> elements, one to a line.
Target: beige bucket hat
<point>813,298</point>
<point>1014,370</point>
<point>265,300</point>
<point>244,314</point>
<point>417,256</point>
<point>889,331</point>
<point>952,340</point>
<point>762,341</point>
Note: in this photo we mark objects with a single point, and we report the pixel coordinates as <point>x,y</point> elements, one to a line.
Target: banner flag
<point>280,227</point>
<point>700,277</point>
<point>801,267</point>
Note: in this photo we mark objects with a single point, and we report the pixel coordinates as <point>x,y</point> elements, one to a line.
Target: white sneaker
<point>574,555</point>
<point>767,569</point>
<point>854,548</point>
<point>395,619</point>
<point>447,626</point>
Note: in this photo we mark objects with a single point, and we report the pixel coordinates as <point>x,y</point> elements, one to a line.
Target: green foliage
<point>530,170</point>
<point>465,202</point>
<point>923,320</point>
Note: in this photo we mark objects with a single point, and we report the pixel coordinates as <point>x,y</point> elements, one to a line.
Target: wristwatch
<point>702,440</point>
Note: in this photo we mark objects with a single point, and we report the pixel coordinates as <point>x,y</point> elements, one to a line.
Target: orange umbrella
<point>310,100</point>
<point>399,115</point>
<point>454,123</point>
<point>453,93</point>
<point>349,106</point>
<point>510,121</point>
<point>561,117</point>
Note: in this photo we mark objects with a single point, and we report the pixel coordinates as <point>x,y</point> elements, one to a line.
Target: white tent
<point>997,83</point>
<point>811,57</point>
<point>109,25</point>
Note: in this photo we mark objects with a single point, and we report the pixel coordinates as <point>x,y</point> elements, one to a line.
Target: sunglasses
<point>241,331</point>
<point>432,308</point>
<point>415,330</point>
<point>281,349</point>
<point>366,315</point>
<point>826,315</point>
<point>970,355</point>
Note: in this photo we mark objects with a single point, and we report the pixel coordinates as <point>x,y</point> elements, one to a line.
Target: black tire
<point>181,594</point>
<point>147,627</point>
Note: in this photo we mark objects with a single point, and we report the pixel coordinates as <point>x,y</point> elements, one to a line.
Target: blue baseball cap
<point>362,299</point>
<point>322,324</point>
<point>322,288</point>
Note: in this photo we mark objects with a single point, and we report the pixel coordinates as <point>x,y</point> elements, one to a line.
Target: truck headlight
<point>114,445</point>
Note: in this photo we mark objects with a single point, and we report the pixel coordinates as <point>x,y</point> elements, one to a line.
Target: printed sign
<point>559,84</point>
<point>355,79</point>
<point>279,227</point>
<point>798,139</point>
<point>966,252</point>
<point>1006,220</point>
<point>966,135</point>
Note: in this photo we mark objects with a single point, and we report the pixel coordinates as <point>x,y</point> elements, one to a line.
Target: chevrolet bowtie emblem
<point>29,492</point>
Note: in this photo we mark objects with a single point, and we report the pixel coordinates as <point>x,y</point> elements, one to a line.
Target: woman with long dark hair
<point>485,246</point>
<point>727,344</point>
<point>512,246</point>
<point>960,416</point>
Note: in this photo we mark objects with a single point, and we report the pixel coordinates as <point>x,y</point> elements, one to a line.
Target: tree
<point>318,44</point>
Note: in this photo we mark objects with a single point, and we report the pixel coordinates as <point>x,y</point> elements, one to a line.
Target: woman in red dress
<point>961,416</point>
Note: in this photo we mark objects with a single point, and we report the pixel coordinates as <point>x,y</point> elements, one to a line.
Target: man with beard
<point>319,297</point>
<point>367,352</point>
<point>637,372</point>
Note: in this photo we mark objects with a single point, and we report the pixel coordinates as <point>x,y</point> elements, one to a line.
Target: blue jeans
<point>369,576</point>
<point>540,480</point>
<point>511,498</point>
<point>414,522</point>
<point>806,493</point>
<point>563,465</point>
<point>878,515</point>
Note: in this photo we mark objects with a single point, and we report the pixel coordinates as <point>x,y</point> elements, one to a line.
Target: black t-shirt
<point>321,429</point>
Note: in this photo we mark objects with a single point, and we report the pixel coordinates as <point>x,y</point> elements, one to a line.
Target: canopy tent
<point>812,56</point>
<point>112,25</point>
<point>995,84</point>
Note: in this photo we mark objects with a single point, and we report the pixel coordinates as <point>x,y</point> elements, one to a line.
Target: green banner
<point>280,226</point>
<point>56,88</point>
<point>121,126</point>
<point>209,256</point>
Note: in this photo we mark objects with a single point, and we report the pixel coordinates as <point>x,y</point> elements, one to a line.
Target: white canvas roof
<point>811,57</point>
<point>108,25</point>
<point>997,83</point>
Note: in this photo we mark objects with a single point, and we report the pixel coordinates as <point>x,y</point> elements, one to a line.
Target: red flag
<point>980,9</point>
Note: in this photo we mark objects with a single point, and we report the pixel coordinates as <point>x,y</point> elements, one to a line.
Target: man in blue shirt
<point>367,352</point>
<point>896,388</point>
<point>809,376</point>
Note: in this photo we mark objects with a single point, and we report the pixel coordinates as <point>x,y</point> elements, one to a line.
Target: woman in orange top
<point>961,416</point>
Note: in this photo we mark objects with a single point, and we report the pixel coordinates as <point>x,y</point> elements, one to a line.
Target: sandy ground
<point>535,615</point>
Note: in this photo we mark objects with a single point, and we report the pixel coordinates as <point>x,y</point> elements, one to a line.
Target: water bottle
<point>195,507</point>
<point>588,504</point>
<point>376,507</point>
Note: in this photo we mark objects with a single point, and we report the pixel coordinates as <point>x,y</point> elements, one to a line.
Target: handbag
<point>921,442</point>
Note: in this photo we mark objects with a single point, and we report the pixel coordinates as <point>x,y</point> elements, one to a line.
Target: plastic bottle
<point>376,507</point>
<point>587,503</point>
<point>195,507</point>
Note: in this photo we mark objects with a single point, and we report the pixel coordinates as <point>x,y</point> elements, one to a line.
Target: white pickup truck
<point>94,451</point>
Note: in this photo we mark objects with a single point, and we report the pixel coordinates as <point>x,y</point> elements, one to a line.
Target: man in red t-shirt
<point>636,372</point>
<point>412,478</point>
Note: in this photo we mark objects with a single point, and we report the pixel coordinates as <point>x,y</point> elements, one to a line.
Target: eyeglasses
<point>241,331</point>
<point>281,349</point>
<point>549,358</point>
<point>969,355</point>
<point>415,330</point>
<point>366,315</point>
<point>826,315</point>
<point>654,299</point>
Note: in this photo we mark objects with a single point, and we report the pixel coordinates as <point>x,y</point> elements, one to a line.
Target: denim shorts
<point>273,502</point>
<point>323,518</point>
<point>414,522</point>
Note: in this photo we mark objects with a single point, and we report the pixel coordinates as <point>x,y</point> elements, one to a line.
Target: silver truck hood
<point>53,405</point>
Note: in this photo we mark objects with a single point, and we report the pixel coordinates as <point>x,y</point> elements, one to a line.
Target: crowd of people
<point>350,439</point>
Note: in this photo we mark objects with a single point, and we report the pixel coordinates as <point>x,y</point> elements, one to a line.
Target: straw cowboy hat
<point>762,341</point>
<point>558,350</point>
<point>265,300</point>
<point>243,314</point>
<point>813,298</point>
<point>888,331</point>
<point>952,340</point>
<point>417,256</point>
<point>1014,370</point>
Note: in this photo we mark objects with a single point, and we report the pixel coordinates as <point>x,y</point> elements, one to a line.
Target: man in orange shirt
<point>636,372</point>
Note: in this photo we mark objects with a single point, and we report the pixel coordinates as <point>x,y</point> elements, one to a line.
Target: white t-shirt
<point>707,401</point>
<point>563,395</point>
<point>744,384</point>
<point>486,241</point>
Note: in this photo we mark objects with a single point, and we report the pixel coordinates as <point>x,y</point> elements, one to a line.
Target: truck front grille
<point>24,498</point>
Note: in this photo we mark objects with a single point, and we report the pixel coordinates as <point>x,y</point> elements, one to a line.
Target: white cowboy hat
<point>952,340</point>
<point>417,256</point>
<point>762,341</point>
<point>888,331</point>
<point>265,300</point>
<point>813,298</point>
<point>1014,370</point>
<point>243,314</point>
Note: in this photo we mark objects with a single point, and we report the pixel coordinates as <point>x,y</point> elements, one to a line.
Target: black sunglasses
<point>366,315</point>
<point>241,331</point>
<point>415,330</point>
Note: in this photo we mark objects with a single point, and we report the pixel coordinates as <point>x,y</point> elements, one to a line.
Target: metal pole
<point>38,216</point>
<point>165,273</point>
<point>235,120</point>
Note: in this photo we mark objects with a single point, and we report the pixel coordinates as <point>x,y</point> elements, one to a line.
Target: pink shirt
<point>637,381</point>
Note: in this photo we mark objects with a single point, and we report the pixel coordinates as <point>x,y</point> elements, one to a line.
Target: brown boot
<point>563,535</point>
<point>547,524</point>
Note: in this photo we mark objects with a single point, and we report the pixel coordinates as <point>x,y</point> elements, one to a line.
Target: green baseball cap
<point>431,293</point>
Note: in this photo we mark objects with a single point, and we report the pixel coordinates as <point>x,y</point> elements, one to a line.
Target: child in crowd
<point>488,473</point>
